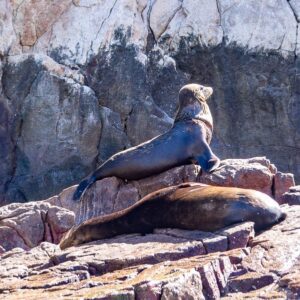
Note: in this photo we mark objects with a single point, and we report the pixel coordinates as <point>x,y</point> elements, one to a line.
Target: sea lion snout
<point>200,92</point>
<point>207,91</point>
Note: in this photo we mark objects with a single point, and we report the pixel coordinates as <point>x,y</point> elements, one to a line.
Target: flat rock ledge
<point>168,264</point>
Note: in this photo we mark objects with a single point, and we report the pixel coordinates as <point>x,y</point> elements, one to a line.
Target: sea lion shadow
<point>149,237</point>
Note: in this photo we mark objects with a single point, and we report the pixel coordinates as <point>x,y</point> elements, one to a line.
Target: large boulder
<point>113,194</point>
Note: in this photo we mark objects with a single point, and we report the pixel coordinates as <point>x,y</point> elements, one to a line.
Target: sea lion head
<point>192,103</point>
<point>194,92</point>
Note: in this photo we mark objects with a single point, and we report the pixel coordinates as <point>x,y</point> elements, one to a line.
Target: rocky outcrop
<point>178,278</point>
<point>113,194</point>
<point>55,126</point>
<point>168,264</point>
<point>32,223</point>
<point>83,79</point>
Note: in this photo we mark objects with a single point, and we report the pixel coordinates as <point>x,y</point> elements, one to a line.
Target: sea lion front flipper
<point>213,164</point>
<point>82,187</point>
<point>208,161</point>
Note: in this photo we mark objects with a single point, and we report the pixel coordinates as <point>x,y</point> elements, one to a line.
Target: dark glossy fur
<point>186,142</point>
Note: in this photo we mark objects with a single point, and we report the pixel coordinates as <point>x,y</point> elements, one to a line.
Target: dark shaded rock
<point>7,138</point>
<point>146,121</point>
<point>113,138</point>
<point>139,91</point>
<point>250,281</point>
<point>238,235</point>
<point>254,102</point>
<point>120,78</point>
<point>56,127</point>
<point>165,78</point>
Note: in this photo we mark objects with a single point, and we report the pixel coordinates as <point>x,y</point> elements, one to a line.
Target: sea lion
<point>186,142</point>
<point>192,206</point>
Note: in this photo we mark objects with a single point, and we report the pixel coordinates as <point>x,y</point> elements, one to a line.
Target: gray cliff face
<point>90,78</point>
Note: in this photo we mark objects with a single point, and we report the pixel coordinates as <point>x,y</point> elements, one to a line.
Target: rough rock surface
<point>136,266</point>
<point>292,196</point>
<point>168,264</point>
<point>83,79</point>
<point>27,225</point>
<point>65,124</point>
<point>272,266</point>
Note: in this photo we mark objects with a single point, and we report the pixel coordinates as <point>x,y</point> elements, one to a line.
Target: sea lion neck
<point>194,111</point>
<point>189,111</point>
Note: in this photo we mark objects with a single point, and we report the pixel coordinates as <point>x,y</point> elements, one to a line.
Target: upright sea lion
<point>192,206</point>
<point>186,142</point>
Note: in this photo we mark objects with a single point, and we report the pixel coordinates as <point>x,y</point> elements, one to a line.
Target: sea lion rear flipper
<point>82,187</point>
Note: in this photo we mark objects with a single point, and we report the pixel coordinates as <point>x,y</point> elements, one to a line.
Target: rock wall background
<point>81,80</point>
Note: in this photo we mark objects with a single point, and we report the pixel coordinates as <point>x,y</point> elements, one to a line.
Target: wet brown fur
<point>191,206</point>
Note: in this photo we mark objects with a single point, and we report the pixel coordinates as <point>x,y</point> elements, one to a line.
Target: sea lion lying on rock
<point>192,206</point>
<point>186,142</point>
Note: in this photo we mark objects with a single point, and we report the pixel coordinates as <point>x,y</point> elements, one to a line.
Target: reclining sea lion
<point>192,206</point>
<point>186,142</point>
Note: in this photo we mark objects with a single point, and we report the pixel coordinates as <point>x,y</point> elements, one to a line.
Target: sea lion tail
<point>82,187</point>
